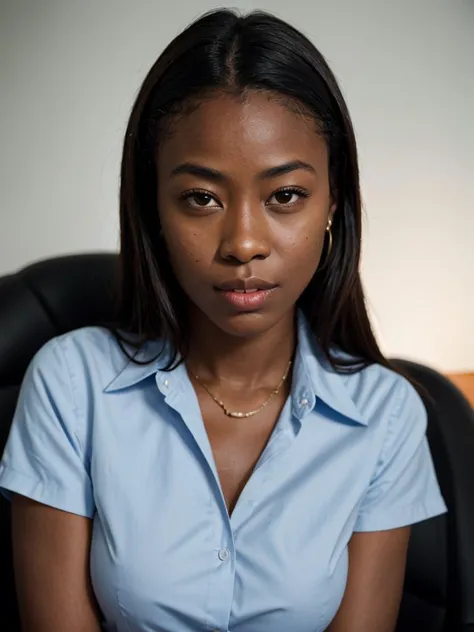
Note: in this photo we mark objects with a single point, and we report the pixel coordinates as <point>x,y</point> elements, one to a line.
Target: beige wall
<point>68,74</point>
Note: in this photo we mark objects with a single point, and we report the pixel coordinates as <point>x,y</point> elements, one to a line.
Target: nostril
<point>234,260</point>
<point>243,253</point>
<point>242,260</point>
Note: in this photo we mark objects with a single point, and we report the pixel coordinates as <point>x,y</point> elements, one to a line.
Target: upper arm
<point>51,561</point>
<point>44,469</point>
<point>47,455</point>
<point>375,582</point>
<point>403,489</point>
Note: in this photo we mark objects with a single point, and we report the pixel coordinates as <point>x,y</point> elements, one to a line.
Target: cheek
<point>302,251</point>
<point>188,254</point>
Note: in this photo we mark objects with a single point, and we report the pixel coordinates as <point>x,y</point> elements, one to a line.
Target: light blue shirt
<point>126,446</point>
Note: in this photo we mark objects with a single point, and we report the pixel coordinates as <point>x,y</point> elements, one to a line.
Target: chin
<point>247,324</point>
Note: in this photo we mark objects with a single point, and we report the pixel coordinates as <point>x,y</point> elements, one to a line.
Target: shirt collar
<point>313,376</point>
<point>151,357</point>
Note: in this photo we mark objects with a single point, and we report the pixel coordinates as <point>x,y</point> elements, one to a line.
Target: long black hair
<point>224,51</point>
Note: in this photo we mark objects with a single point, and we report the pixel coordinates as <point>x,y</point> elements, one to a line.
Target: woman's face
<point>244,201</point>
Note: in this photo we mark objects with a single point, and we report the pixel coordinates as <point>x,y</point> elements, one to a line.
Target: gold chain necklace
<point>251,413</point>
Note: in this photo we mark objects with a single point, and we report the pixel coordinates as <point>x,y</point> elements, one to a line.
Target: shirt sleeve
<point>404,489</point>
<point>44,457</point>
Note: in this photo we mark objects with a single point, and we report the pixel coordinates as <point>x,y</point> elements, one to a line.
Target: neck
<point>241,361</point>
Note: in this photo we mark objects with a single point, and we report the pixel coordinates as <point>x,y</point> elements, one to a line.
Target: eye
<point>287,196</point>
<point>200,199</point>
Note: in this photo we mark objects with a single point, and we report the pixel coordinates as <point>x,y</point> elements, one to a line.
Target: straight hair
<point>224,51</point>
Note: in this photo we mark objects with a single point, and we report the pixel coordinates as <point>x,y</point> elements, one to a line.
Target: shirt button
<point>223,555</point>
<point>303,402</point>
<point>166,383</point>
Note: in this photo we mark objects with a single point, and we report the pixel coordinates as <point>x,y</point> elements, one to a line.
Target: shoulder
<point>89,357</point>
<point>89,345</point>
<point>383,396</point>
<point>95,362</point>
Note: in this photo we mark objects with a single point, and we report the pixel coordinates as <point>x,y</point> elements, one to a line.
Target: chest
<point>237,443</point>
<point>165,552</point>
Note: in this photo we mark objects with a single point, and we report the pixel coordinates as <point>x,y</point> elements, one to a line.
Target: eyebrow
<point>218,176</point>
<point>288,167</point>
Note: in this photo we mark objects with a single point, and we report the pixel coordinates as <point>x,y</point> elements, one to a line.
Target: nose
<point>245,235</point>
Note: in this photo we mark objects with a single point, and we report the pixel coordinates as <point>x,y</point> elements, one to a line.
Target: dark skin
<point>232,222</point>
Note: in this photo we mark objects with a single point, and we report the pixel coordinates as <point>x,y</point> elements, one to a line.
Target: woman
<point>240,456</point>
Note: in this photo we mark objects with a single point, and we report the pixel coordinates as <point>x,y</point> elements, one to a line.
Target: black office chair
<point>57,295</point>
<point>36,304</point>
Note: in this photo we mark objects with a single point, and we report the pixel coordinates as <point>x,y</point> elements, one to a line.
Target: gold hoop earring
<point>329,247</point>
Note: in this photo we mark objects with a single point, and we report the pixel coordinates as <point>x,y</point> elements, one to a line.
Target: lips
<point>246,295</point>
<point>251,284</point>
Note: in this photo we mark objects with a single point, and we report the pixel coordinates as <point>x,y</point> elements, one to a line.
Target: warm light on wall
<point>465,383</point>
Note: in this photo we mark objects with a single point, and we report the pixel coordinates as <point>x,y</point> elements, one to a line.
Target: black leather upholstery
<point>440,571</point>
<point>43,300</point>
<point>57,295</point>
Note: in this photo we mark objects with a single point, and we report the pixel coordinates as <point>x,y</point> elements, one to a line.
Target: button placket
<point>222,587</point>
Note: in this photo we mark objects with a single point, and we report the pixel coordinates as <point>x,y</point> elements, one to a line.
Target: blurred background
<point>69,72</point>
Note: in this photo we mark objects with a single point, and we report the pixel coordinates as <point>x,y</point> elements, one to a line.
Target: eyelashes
<point>202,199</point>
<point>288,191</point>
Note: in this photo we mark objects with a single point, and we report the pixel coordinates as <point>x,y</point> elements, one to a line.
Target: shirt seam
<point>390,431</point>
<point>73,398</point>
<point>414,509</point>
<point>401,508</point>
<point>36,480</point>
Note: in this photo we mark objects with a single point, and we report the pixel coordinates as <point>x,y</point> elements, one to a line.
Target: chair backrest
<point>39,302</point>
<point>55,296</point>
<point>439,583</point>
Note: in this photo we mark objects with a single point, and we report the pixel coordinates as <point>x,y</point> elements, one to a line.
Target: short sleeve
<point>404,489</point>
<point>44,458</point>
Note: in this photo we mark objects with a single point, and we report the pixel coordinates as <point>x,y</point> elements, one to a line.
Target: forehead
<point>259,130</point>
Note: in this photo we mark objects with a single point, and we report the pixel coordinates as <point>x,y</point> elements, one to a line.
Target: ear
<point>332,210</point>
